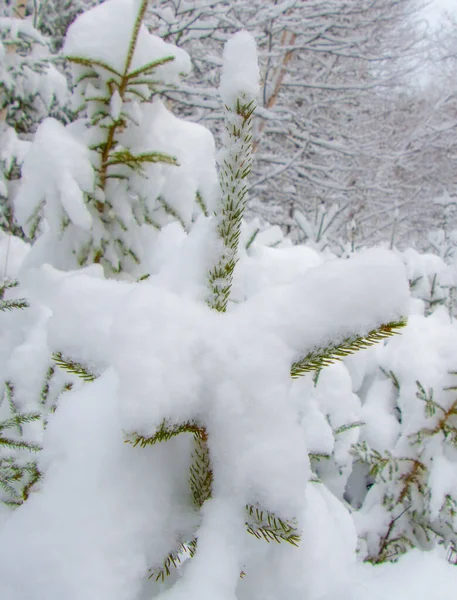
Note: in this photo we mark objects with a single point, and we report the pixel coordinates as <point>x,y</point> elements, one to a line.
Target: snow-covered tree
<point>208,390</point>
<point>54,17</point>
<point>31,88</point>
<point>318,129</point>
<point>127,165</point>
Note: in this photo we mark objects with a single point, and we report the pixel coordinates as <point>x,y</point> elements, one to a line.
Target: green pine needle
<point>146,69</point>
<point>87,62</point>
<point>265,525</point>
<point>19,445</point>
<point>73,367</point>
<point>13,304</point>
<point>348,427</point>
<point>173,560</point>
<point>323,357</point>
<point>165,432</point>
<point>46,384</point>
<point>19,419</point>
<point>201,474</point>
<point>135,161</point>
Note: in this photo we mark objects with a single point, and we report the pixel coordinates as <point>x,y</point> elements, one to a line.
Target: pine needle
<point>265,525</point>
<point>173,560</point>
<point>323,357</point>
<point>165,432</point>
<point>73,367</point>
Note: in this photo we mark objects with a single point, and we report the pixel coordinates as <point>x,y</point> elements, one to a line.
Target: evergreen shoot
<point>323,357</point>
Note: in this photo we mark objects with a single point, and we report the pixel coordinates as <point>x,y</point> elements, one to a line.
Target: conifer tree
<point>31,88</point>
<point>117,189</point>
<point>411,491</point>
<point>200,388</point>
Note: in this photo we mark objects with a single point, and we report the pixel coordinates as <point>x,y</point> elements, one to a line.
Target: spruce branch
<point>8,284</point>
<point>201,203</point>
<point>18,420</point>
<point>108,157</point>
<point>319,456</point>
<point>135,162</point>
<point>17,479</point>
<point>149,67</point>
<point>13,304</point>
<point>348,427</point>
<point>265,525</point>
<point>235,167</point>
<point>9,393</point>
<point>430,405</point>
<point>171,211</point>
<point>165,432</point>
<point>73,367</point>
<point>201,474</point>
<point>323,357</point>
<point>90,62</point>
<point>46,384</point>
<point>391,375</point>
<point>173,560</point>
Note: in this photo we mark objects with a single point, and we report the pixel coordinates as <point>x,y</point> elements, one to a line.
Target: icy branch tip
<point>240,71</point>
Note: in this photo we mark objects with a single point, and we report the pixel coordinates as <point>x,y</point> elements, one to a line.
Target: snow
<point>116,105</point>
<point>107,512</point>
<point>333,301</point>
<point>13,252</point>
<point>240,76</point>
<point>192,145</point>
<point>57,167</point>
<point>104,33</point>
<point>16,27</point>
<point>418,575</point>
<point>115,493</point>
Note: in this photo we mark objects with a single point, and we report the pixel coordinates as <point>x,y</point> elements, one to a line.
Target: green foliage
<point>235,168</point>
<point>165,432</point>
<point>348,427</point>
<point>404,482</point>
<point>323,357</point>
<point>391,375</point>
<point>259,523</point>
<point>201,474</point>
<point>73,367</point>
<point>173,560</point>
<point>12,303</point>
<point>113,159</point>
<point>265,525</point>
<point>17,472</point>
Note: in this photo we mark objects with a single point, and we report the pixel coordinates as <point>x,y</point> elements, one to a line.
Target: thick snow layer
<point>56,168</point>
<point>107,512</point>
<point>417,576</point>
<point>240,75</point>
<point>263,267</point>
<point>333,301</point>
<point>13,252</point>
<point>99,522</point>
<point>104,33</point>
<point>17,27</point>
<point>193,147</point>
